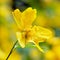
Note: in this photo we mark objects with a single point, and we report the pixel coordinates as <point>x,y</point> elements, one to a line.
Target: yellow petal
<point>21,39</point>
<point>38,47</point>
<point>28,16</point>
<point>17,16</point>
<point>42,33</point>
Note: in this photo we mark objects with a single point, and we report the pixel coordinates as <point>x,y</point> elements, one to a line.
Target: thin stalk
<point>11,50</point>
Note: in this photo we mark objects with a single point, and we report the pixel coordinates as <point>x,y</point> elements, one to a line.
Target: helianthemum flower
<point>27,32</point>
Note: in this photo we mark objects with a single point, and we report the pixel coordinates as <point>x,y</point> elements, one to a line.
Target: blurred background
<point>48,15</point>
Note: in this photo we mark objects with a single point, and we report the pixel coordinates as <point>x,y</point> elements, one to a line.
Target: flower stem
<point>11,50</point>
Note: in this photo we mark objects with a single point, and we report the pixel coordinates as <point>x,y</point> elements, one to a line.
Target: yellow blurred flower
<point>54,53</point>
<point>4,33</point>
<point>54,41</point>
<point>2,55</point>
<point>50,55</point>
<point>56,49</point>
<point>27,32</point>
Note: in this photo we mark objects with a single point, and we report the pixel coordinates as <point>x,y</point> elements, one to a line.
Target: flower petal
<point>42,32</point>
<point>17,17</point>
<point>21,40</point>
<point>28,16</point>
<point>38,47</point>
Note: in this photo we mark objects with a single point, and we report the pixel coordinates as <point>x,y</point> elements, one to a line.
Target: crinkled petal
<point>41,34</point>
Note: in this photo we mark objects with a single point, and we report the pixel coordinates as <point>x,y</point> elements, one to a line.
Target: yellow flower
<point>50,55</point>
<point>27,32</point>
<point>56,50</point>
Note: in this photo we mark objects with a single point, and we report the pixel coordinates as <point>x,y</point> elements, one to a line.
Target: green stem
<point>11,50</point>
